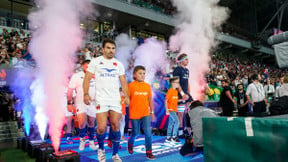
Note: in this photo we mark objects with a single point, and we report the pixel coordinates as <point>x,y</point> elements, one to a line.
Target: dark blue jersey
<point>183,74</point>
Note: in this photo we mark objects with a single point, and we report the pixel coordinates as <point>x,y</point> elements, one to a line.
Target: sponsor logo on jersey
<point>109,70</point>
<point>175,97</point>
<point>141,93</point>
<point>114,63</point>
<point>108,73</point>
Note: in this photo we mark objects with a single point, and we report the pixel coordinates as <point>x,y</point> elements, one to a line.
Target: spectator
<point>22,34</point>
<point>283,90</point>
<point>281,82</point>
<point>269,89</point>
<point>242,101</point>
<point>18,61</point>
<point>4,57</point>
<point>256,90</point>
<point>87,54</point>
<point>26,53</point>
<point>226,100</point>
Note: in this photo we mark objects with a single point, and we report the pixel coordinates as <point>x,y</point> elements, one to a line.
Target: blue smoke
<point>21,89</point>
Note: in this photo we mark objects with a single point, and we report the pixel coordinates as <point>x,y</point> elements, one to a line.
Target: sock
<point>100,139</point>
<point>115,138</point>
<point>91,132</point>
<point>82,132</point>
<point>110,133</point>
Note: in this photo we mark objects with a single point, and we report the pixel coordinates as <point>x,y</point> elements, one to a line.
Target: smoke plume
<point>196,24</point>
<point>152,55</point>
<point>124,52</point>
<point>55,38</point>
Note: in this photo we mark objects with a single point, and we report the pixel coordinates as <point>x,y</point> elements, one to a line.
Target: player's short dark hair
<point>181,56</point>
<point>137,68</point>
<point>105,41</point>
<point>195,104</point>
<point>85,62</point>
<point>171,80</point>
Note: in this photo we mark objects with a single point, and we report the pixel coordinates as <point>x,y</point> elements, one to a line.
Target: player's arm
<point>70,101</point>
<point>124,86</point>
<point>176,73</point>
<point>70,95</point>
<point>86,84</point>
<point>166,106</point>
<point>248,92</point>
<point>229,95</point>
<point>151,108</point>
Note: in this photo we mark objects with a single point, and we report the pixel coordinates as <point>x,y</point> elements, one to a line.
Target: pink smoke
<point>55,38</point>
<point>152,55</point>
<point>124,52</point>
<point>196,25</point>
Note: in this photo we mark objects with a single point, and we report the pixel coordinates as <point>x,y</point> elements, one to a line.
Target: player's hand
<point>71,108</point>
<point>185,97</point>
<point>126,100</point>
<point>152,117</point>
<point>87,99</point>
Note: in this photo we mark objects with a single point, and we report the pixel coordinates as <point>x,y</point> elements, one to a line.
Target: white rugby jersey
<point>76,82</point>
<point>107,74</point>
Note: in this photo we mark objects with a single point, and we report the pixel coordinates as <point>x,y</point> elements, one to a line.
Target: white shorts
<point>67,113</point>
<point>90,110</point>
<point>106,108</point>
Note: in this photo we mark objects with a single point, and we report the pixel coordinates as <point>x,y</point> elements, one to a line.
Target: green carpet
<point>13,154</point>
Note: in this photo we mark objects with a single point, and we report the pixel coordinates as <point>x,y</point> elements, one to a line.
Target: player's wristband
<point>70,102</point>
<point>182,93</point>
<point>152,112</point>
<point>85,94</point>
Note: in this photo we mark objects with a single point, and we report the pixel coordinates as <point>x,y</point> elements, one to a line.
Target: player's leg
<point>82,119</point>
<point>174,117</point>
<point>69,129</point>
<point>122,127</point>
<point>170,127</point>
<point>101,118</point>
<point>91,131</point>
<point>180,114</point>
<point>135,131</point>
<point>115,118</point>
<point>146,121</point>
<point>91,116</point>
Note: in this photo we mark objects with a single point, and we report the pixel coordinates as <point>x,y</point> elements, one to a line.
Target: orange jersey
<point>172,99</point>
<point>123,106</point>
<point>139,93</point>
